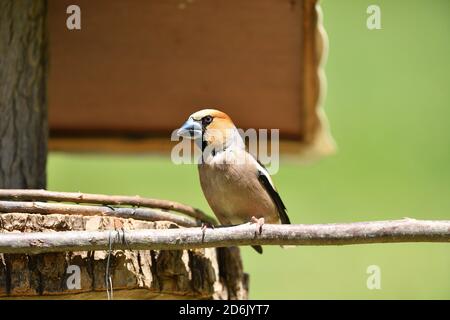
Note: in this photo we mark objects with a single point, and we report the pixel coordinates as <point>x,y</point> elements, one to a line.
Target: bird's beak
<point>190,129</point>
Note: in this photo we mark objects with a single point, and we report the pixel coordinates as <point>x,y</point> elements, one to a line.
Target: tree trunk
<point>135,274</point>
<point>23,96</point>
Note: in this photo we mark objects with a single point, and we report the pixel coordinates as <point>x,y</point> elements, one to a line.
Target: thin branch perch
<point>61,208</point>
<point>406,230</point>
<point>77,197</point>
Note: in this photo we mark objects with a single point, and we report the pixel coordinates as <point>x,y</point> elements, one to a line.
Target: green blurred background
<point>388,103</point>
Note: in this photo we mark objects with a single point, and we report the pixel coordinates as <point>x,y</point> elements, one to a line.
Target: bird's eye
<point>207,120</point>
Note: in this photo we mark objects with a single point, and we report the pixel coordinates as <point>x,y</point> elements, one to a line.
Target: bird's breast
<point>235,194</point>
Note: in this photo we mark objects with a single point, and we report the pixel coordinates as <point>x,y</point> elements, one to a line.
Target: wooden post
<point>23,102</point>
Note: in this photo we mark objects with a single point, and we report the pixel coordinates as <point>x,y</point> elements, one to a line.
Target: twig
<point>77,197</point>
<point>61,208</point>
<point>406,230</point>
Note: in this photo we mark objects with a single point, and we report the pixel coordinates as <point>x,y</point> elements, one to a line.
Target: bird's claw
<point>259,223</point>
<point>206,225</point>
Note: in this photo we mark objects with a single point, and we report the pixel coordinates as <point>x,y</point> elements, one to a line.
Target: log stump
<point>212,273</point>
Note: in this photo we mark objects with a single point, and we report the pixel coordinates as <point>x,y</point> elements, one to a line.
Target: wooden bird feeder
<point>136,70</point>
<point>123,83</point>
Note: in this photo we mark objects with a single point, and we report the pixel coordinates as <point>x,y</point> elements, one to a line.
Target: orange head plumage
<point>213,126</point>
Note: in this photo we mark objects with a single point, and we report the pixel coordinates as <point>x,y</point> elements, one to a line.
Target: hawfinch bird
<point>237,187</point>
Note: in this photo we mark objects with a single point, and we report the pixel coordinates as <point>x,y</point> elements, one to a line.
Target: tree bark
<point>23,96</point>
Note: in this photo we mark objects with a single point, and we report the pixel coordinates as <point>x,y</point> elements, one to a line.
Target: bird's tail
<point>258,249</point>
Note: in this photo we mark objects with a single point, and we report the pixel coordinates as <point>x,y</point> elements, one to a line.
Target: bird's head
<point>213,127</point>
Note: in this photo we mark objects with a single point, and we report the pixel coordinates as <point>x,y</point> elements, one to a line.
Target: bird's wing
<point>266,182</point>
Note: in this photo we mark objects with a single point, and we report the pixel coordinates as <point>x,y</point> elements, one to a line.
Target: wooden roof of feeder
<point>136,70</point>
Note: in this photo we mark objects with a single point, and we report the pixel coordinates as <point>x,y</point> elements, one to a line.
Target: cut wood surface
<point>136,274</point>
